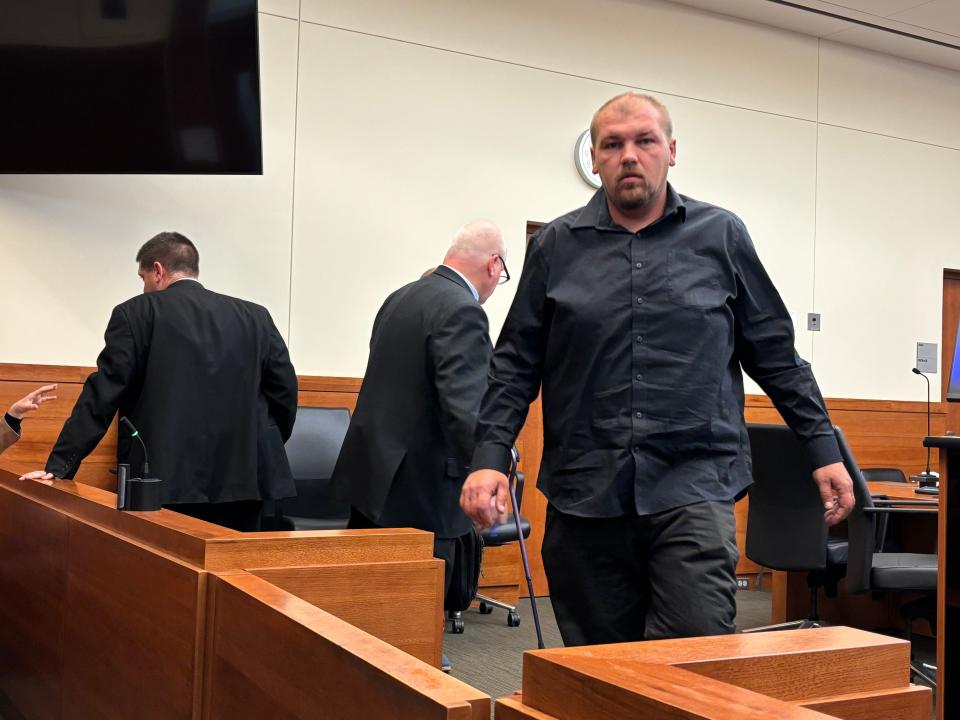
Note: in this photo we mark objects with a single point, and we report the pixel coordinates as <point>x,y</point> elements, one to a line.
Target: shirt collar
<point>473,290</point>
<point>596,213</point>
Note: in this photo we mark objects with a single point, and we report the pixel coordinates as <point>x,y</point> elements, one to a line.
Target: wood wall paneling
<point>305,658</point>
<point>411,589</point>
<point>33,583</point>
<point>881,433</point>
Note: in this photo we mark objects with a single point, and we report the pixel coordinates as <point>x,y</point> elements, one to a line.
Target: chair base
<point>488,603</point>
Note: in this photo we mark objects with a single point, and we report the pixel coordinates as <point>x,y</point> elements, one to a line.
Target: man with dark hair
<point>637,313</point>
<point>174,251</point>
<point>207,381</point>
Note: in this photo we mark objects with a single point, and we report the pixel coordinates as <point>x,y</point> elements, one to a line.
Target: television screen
<point>129,86</point>
<point>953,382</point>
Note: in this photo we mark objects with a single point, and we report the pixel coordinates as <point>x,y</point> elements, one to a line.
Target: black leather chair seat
<point>838,549</point>
<point>904,571</point>
<point>505,532</point>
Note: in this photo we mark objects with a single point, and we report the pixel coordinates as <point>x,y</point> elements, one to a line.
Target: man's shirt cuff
<point>491,457</point>
<point>823,450</point>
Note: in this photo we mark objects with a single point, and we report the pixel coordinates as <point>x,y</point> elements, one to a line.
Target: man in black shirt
<point>636,313</point>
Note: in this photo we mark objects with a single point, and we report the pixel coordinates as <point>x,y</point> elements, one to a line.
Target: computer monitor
<point>953,382</point>
<point>130,86</point>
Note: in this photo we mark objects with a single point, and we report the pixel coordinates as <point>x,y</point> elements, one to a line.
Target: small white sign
<point>927,357</point>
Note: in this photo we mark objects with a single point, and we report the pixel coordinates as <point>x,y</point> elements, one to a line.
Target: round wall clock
<point>581,156</point>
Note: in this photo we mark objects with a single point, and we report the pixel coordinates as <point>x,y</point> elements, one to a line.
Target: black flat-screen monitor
<point>129,86</point>
<point>953,382</point>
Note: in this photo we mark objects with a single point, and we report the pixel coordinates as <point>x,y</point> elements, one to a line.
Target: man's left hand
<point>836,491</point>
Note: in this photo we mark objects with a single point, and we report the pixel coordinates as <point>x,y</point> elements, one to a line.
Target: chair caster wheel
<point>484,609</point>
<point>513,619</point>
<point>456,626</point>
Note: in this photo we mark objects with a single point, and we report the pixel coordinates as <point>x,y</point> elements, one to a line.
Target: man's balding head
<point>478,252</point>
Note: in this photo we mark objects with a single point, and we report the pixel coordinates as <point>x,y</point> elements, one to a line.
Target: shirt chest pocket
<point>695,281</point>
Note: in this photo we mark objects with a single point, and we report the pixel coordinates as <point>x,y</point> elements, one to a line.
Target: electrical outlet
<point>813,322</point>
<point>743,583</point>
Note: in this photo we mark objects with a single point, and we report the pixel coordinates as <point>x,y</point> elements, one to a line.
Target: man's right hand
<point>484,497</point>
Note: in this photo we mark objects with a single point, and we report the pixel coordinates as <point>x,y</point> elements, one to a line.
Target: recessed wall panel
<point>399,144</point>
<point>887,227</point>
<point>661,46</point>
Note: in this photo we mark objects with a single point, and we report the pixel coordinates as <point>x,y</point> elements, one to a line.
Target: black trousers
<point>672,574</point>
<point>242,515</point>
<point>443,548</point>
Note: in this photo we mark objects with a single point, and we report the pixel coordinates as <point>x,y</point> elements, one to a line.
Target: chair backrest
<point>312,449</point>
<point>785,527</point>
<point>861,525</point>
<point>883,474</point>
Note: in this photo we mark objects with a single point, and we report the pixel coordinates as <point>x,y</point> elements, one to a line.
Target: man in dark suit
<point>409,444</point>
<point>207,381</point>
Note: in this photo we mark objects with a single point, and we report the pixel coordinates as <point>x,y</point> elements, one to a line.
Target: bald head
<point>623,104</point>
<point>478,252</point>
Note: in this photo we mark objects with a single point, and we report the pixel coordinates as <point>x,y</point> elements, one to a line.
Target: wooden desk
<point>107,614</point>
<point>793,675</point>
<point>899,491</point>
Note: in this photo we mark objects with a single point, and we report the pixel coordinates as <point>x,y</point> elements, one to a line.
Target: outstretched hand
<point>836,491</point>
<point>484,497</point>
<point>32,401</point>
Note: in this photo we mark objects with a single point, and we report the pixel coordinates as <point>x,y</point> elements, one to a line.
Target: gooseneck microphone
<point>139,494</point>
<point>926,477</point>
<point>134,433</point>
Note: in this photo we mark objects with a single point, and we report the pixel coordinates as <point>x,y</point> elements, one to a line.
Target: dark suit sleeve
<point>765,348</point>
<point>517,365</point>
<point>278,382</point>
<point>460,348</point>
<point>102,394</point>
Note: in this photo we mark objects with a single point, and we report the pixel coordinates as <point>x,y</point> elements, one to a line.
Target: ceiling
<point>927,31</point>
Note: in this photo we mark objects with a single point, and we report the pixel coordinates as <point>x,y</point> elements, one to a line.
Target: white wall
<point>388,124</point>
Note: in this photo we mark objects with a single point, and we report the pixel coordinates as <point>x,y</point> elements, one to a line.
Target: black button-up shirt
<point>638,340</point>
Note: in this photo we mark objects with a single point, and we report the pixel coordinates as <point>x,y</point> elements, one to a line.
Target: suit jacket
<point>7,435</point>
<point>207,381</point>
<point>411,437</point>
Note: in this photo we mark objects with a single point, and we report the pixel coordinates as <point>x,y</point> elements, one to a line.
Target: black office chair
<point>872,571</point>
<point>313,449</point>
<point>883,474</point>
<point>785,526</point>
<point>500,534</point>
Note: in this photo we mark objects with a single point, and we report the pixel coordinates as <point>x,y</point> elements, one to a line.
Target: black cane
<point>511,481</point>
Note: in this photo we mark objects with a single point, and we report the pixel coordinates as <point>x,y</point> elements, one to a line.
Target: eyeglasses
<point>505,275</point>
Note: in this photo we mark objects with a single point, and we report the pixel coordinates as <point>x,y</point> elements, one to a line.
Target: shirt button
<point>639,376</point>
<point>636,448</point>
<point>640,301</point>
<point>639,265</point>
<point>639,415</point>
<point>639,338</point>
